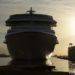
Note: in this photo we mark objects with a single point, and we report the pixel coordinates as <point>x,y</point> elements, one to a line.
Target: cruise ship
<point>30,36</point>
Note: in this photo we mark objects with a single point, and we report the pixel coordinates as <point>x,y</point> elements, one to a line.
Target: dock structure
<point>12,70</point>
<point>71,53</point>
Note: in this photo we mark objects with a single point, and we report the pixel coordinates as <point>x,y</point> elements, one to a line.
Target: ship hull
<point>30,45</point>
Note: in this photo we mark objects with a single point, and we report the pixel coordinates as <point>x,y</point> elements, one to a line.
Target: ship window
<point>23,23</point>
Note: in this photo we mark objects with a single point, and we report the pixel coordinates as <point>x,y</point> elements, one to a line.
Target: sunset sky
<point>63,11</point>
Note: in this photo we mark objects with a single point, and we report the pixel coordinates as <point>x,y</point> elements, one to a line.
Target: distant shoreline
<point>4,55</point>
<point>62,57</point>
<point>65,58</point>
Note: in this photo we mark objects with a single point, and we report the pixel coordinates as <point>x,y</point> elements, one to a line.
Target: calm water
<point>60,64</point>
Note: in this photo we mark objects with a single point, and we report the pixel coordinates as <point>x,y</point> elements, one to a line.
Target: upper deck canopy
<point>31,17</point>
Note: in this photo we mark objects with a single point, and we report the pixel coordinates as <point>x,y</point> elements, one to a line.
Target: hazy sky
<point>63,12</point>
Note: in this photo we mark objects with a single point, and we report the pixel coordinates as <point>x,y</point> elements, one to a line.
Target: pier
<point>10,70</point>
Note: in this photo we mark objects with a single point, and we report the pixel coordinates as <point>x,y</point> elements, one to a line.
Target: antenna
<point>31,11</point>
<point>70,44</point>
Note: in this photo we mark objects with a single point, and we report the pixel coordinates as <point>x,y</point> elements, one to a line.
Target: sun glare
<point>72,26</point>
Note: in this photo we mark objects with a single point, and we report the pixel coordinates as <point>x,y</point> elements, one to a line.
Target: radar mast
<point>31,11</point>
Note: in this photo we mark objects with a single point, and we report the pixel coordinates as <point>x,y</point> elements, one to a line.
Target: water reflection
<point>60,64</point>
<point>49,62</point>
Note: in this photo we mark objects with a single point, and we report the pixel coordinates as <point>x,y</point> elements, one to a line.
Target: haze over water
<point>63,11</point>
